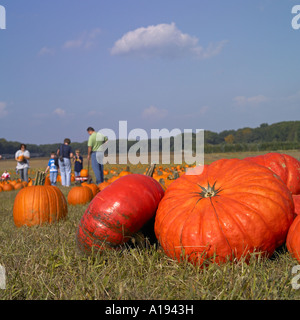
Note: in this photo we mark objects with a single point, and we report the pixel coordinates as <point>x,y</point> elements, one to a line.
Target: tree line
<point>278,136</point>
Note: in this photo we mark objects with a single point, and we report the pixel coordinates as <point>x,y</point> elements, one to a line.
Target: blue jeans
<point>65,172</point>
<point>97,168</point>
<point>24,174</point>
<point>53,177</point>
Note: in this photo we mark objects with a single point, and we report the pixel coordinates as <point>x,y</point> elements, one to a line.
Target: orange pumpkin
<point>7,187</point>
<point>18,186</point>
<point>47,181</point>
<point>231,209</point>
<point>293,239</point>
<point>124,173</point>
<point>38,205</point>
<point>24,183</point>
<point>296,198</point>
<point>84,173</point>
<point>92,186</point>
<point>112,179</point>
<point>284,165</point>
<point>103,185</point>
<point>80,195</point>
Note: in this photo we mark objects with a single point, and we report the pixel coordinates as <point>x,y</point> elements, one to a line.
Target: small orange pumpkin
<point>103,185</point>
<point>80,195</point>
<point>84,173</point>
<point>95,189</point>
<point>8,187</point>
<point>18,186</point>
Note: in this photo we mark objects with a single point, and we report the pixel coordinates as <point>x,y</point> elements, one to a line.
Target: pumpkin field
<point>64,258</point>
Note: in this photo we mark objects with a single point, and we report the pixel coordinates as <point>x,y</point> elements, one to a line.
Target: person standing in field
<point>78,163</point>
<point>53,169</point>
<point>96,140</point>
<point>22,157</point>
<point>65,153</point>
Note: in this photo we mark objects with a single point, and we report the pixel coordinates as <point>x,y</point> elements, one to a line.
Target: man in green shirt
<point>95,153</point>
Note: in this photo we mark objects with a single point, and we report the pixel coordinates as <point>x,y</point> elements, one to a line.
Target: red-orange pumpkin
<point>296,198</point>
<point>293,239</point>
<point>284,165</point>
<point>117,212</point>
<point>232,209</point>
<point>38,205</point>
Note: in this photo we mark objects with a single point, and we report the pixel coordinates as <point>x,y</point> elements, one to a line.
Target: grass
<point>43,263</point>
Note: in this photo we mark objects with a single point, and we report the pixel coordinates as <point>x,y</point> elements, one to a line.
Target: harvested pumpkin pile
<point>226,210</point>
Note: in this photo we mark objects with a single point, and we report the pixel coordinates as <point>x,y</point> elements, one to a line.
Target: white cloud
<point>255,100</point>
<point>60,112</point>
<point>154,113</point>
<point>163,40</point>
<point>85,40</point>
<point>46,51</point>
<point>3,109</point>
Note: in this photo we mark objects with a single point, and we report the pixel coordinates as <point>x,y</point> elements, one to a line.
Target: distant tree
<point>229,138</point>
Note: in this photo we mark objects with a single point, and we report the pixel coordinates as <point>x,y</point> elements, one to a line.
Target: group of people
<point>61,159</point>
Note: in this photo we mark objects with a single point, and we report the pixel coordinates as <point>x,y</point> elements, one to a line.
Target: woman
<point>22,157</point>
<point>64,154</point>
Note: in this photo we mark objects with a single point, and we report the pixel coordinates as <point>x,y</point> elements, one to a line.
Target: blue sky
<point>194,64</point>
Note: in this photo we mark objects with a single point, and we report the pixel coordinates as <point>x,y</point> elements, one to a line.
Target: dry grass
<point>43,263</point>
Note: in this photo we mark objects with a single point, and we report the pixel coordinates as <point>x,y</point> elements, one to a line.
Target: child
<point>78,163</point>
<point>53,168</point>
<point>5,175</point>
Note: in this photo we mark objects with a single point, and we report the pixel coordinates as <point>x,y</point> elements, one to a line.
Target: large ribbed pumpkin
<point>37,205</point>
<point>284,165</point>
<point>118,211</point>
<point>232,209</point>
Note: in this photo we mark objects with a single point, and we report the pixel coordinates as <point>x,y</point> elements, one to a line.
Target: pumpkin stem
<point>209,191</point>
<point>39,178</point>
<point>151,170</point>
